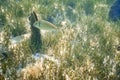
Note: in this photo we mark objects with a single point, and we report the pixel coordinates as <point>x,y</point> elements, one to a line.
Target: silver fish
<point>45,25</point>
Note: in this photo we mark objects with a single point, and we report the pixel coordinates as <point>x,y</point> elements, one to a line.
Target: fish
<point>45,25</point>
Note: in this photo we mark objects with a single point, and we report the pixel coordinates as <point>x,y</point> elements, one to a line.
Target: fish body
<point>45,25</point>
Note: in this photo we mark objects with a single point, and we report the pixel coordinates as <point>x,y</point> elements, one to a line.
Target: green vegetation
<point>85,46</point>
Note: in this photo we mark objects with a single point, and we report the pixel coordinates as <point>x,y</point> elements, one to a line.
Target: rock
<point>35,41</point>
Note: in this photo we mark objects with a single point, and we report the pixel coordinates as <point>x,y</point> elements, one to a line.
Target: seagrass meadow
<point>86,45</point>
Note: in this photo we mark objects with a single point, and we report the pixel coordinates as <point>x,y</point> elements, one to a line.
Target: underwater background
<point>86,45</point>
